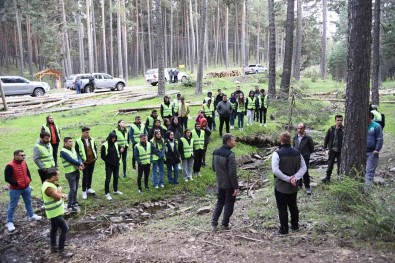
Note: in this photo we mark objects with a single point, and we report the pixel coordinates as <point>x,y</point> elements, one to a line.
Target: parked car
<point>14,85</point>
<point>254,69</point>
<point>102,81</point>
<point>151,76</point>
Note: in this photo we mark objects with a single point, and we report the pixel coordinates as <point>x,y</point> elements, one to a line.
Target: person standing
<point>304,144</point>
<point>135,130</point>
<point>78,84</point>
<point>176,104</point>
<point>17,174</point>
<point>151,120</point>
<point>112,159</point>
<point>209,112</point>
<point>183,113</point>
<point>123,143</point>
<point>143,153</point>
<point>262,108</point>
<point>217,100</point>
<point>207,134</point>
<point>186,151</point>
<point>54,210</point>
<point>172,157</point>
<point>250,107</point>
<point>42,154</point>
<point>233,103</point>
<point>171,76</point>
<point>166,109</point>
<point>225,167</point>
<point>157,126</point>
<point>241,111</point>
<point>288,167</point>
<point>224,109</point>
<point>198,136</point>
<point>176,128</point>
<point>85,146</point>
<point>333,141</point>
<point>175,75</point>
<point>158,160</point>
<point>373,148</point>
<point>54,133</point>
<point>91,83</point>
<point>72,164</point>
<point>238,92</point>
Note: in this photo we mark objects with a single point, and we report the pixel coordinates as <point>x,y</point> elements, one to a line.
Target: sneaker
<point>294,228</point>
<point>308,191</point>
<point>35,217</point>
<point>90,191</point>
<point>326,180</point>
<point>225,227</point>
<point>65,254</point>
<point>190,178</point>
<point>76,204</point>
<point>260,124</point>
<point>108,197</point>
<point>214,228</point>
<point>279,233</point>
<point>264,124</point>
<point>118,193</point>
<point>162,185</point>
<point>156,187</point>
<point>10,226</point>
<point>140,191</point>
<point>72,209</point>
<point>84,195</point>
<point>186,179</point>
<point>125,176</point>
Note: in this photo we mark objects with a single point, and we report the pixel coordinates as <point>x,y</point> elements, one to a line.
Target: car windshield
<point>251,65</point>
<point>71,77</point>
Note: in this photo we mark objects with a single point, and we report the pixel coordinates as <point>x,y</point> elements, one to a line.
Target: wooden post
<point>3,96</point>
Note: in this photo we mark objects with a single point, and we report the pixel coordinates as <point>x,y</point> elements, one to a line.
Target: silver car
<point>254,69</point>
<point>14,85</point>
<point>151,76</point>
<point>102,81</point>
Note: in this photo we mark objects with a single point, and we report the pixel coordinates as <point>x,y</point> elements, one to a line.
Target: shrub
<point>189,83</point>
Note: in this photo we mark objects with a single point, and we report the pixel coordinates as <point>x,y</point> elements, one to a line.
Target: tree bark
<point>111,39</point>
<point>104,43</point>
<point>203,15</point>
<point>119,39</point>
<point>19,30</point>
<point>193,41</point>
<point>376,54</point>
<point>171,33</point>
<point>67,58</point>
<point>272,51</point>
<point>29,46</point>
<point>95,47</point>
<point>357,91</point>
<point>124,41</point>
<point>323,51</point>
<point>243,61</point>
<point>81,54</point>
<point>227,37</point>
<point>149,33</point>
<point>287,64</point>
<point>257,56</point>
<point>160,49</point>
<point>298,42</point>
<point>90,37</point>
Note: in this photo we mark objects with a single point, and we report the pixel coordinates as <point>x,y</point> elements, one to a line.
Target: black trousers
<point>331,162</point>
<point>133,159</point>
<point>262,114</point>
<point>55,148</point>
<point>225,198</point>
<point>285,201</point>
<point>306,176</point>
<point>210,122</point>
<point>221,124</point>
<point>111,170</point>
<point>43,174</point>
<point>198,159</point>
<point>58,223</point>
<point>143,168</point>
<point>124,155</point>
<point>87,176</point>
<point>183,122</point>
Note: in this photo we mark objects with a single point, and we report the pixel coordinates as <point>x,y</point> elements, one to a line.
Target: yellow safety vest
<point>158,146</point>
<point>46,128</point>
<point>251,103</point>
<point>167,110</point>
<point>188,148</point>
<point>122,139</point>
<point>144,155</point>
<point>81,148</point>
<point>208,111</point>
<point>198,141</point>
<point>46,155</point>
<point>52,207</point>
<point>69,167</point>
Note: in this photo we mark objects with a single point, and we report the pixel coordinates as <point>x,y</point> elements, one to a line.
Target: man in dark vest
<point>288,167</point>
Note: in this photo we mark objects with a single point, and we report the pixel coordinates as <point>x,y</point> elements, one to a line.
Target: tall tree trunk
<point>298,42</point>
<point>124,41</point>
<point>89,35</point>
<point>323,41</point>
<point>19,29</point>
<point>95,46</point>
<point>67,58</point>
<point>81,54</point>
<point>203,15</point>
<point>160,49</point>
<point>171,33</point>
<point>165,35</point>
<point>257,55</point>
<point>119,39</point>
<point>104,40</point>
<point>357,91</point>
<point>243,61</point>
<point>142,43</point>
<point>111,39</point>
<point>137,53</point>
<point>197,27</point>
<point>272,51</point>
<point>149,33</point>
<point>193,41</point>
<point>29,46</point>
<point>227,37</point>
<point>236,37</point>
<point>216,37</point>
<point>287,65</point>
<point>376,54</point>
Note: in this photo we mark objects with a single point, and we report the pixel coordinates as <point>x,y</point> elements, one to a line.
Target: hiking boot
<point>326,180</point>
<point>308,191</point>
<point>294,228</point>
<point>65,254</point>
<point>72,209</point>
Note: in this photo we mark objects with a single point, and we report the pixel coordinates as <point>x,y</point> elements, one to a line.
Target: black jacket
<point>225,167</point>
<point>172,157</point>
<point>330,135</point>
<point>305,147</point>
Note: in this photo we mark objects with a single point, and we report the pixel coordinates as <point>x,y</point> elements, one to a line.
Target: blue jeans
<point>73,179</point>
<point>371,165</point>
<point>170,178</point>
<point>240,119</point>
<point>58,223</point>
<point>187,165</point>
<point>158,164</point>
<point>78,89</point>
<point>14,199</point>
<point>232,118</point>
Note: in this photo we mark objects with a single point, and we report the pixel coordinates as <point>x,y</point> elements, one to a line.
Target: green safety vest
<point>377,115</point>
<point>46,155</point>
<point>122,139</point>
<point>116,147</point>
<point>175,105</point>
<point>265,102</point>
<point>167,110</point>
<point>208,111</point>
<point>150,121</point>
<point>81,148</point>
<point>241,108</point>
<point>188,148</point>
<point>144,155</point>
<point>69,167</point>
<point>198,142</point>
<point>46,128</point>
<point>158,146</point>
<point>137,131</point>
<point>52,207</point>
<point>251,103</point>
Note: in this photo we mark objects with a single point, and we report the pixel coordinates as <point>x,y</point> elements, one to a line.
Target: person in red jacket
<point>18,176</point>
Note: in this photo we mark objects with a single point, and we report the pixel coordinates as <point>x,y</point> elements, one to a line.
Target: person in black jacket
<point>157,126</point>
<point>304,143</point>
<point>225,167</point>
<point>333,142</point>
<point>176,128</point>
<point>111,156</point>
<point>172,157</point>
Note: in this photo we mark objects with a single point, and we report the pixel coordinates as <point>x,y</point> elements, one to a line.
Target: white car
<point>151,76</point>
<point>14,85</point>
<point>102,81</point>
<point>254,69</point>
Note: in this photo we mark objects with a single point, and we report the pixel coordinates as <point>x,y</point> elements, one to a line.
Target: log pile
<point>223,74</point>
<point>257,139</point>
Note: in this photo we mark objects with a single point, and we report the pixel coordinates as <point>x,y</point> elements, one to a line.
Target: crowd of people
<point>168,141</point>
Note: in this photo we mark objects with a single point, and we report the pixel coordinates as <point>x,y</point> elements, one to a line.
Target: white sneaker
<point>186,179</point>
<point>260,124</point>
<point>35,218</point>
<point>91,191</point>
<point>190,178</point>
<point>162,185</point>
<point>156,187</point>
<point>10,226</point>
<point>199,174</point>
<point>108,197</point>
<point>84,195</point>
<point>118,193</point>
<point>264,124</point>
